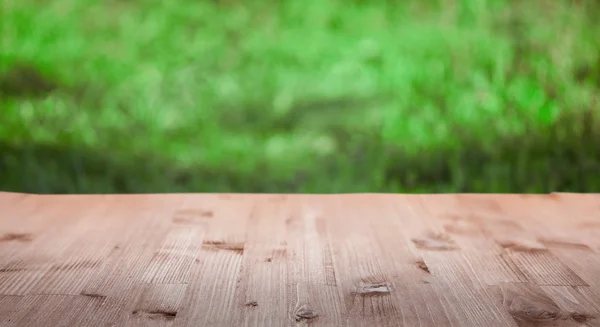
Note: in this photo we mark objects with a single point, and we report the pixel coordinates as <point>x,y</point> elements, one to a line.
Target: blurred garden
<point>312,96</point>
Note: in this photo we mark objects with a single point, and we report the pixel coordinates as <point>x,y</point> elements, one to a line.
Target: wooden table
<point>282,260</point>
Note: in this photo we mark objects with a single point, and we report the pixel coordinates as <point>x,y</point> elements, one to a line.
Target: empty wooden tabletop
<point>286,260</point>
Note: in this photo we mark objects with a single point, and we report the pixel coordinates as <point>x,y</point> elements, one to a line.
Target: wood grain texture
<point>300,260</point>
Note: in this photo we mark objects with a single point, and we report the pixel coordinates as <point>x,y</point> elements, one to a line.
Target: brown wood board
<point>290,260</point>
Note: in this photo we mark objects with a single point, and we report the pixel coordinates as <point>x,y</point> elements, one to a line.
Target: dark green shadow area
<point>561,158</point>
<point>23,80</point>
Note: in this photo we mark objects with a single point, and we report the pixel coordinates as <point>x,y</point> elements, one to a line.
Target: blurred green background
<point>312,96</point>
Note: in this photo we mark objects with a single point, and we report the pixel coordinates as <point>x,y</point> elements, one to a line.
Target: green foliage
<point>310,96</point>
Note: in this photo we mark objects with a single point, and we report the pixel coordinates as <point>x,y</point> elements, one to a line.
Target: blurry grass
<point>310,96</point>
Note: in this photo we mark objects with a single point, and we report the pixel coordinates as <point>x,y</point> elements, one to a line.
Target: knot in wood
<point>578,317</point>
<point>373,289</point>
<point>304,313</point>
<point>540,314</point>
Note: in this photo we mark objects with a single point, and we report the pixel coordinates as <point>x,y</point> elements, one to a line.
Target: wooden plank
<point>262,288</point>
<point>365,286</point>
<point>211,295</point>
<point>400,234</point>
<point>313,296</point>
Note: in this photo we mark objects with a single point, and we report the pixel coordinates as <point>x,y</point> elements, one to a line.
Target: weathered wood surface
<point>277,260</point>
